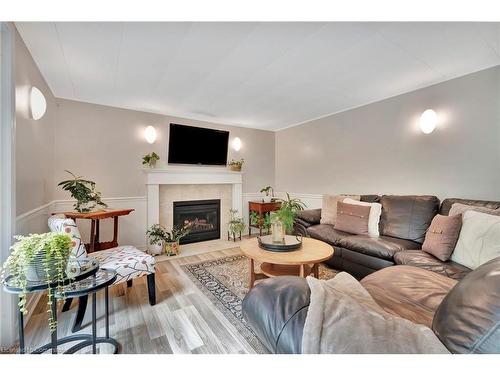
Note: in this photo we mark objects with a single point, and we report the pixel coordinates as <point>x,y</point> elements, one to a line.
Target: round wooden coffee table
<point>301,262</point>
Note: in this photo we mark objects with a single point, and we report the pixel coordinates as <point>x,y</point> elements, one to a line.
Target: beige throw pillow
<point>329,207</point>
<point>373,219</point>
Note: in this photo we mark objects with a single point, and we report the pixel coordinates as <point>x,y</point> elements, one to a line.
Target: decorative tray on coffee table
<point>291,243</point>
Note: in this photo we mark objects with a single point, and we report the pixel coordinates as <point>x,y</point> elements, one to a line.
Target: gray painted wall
<point>378,148</point>
<point>34,139</point>
<point>106,144</point>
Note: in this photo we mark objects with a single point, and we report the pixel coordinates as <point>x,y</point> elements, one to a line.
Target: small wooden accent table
<point>261,208</point>
<point>301,262</point>
<point>95,217</point>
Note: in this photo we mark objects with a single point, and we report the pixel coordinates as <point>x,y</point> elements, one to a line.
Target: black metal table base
<point>86,340</point>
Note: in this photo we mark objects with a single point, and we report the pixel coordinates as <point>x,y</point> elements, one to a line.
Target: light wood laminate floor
<point>183,320</point>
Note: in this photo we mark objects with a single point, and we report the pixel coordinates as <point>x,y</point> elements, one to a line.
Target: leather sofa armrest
<point>310,217</point>
<point>276,310</point>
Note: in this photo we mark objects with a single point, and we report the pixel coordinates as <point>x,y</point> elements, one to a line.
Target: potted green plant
<point>172,238</point>
<point>264,222</point>
<point>39,258</point>
<point>169,240</point>
<point>150,159</point>
<point>282,219</point>
<point>87,198</point>
<point>156,235</point>
<point>236,225</point>
<point>235,165</point>
<point>268,191</point>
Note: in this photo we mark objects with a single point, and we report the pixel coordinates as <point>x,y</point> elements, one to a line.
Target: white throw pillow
<point>479,239</point>
<point>373,218</point>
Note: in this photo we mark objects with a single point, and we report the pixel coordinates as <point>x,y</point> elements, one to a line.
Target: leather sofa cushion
<point>380,247</point>
<point>276,309</point>
<point>309,216</point>
<point>421,259</point>
<point>447,203</point>
<point>407,216</point>
<point>409,292</point>
<point>468,319</point>
<point>326,233</point>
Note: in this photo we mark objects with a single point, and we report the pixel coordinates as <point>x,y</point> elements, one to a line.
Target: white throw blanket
<point>344,318</point>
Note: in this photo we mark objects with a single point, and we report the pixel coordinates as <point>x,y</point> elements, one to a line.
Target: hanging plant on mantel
<point>87,198</point>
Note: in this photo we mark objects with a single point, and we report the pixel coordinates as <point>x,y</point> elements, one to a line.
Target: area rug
<point>225,282</point>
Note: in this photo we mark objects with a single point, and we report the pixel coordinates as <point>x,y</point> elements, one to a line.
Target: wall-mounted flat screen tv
<point>193,145</point>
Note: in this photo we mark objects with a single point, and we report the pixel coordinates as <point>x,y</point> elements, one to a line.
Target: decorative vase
<point>171,248</point>
<point>267,199</point>
<point>155,249</point>
<point>36,270</point>
<point>278,232</point>
<point>152,163</point>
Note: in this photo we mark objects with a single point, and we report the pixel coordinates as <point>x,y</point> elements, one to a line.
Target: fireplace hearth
<point>203,217</point>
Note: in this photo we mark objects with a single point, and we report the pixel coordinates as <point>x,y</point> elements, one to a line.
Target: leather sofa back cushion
<point>352,218</point>
<point>460,209</point>
<point>442,236</point>
<point>407,216</point>
<point>468,319</point>
<point>448,203</point>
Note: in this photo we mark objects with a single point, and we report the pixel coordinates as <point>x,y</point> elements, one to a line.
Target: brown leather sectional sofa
<point>461,306</point>
<point>402,227</point>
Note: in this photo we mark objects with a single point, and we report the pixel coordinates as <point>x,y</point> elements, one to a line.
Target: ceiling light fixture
<point>38,104</point>
<point>428,121</point>
<point>150,134</point>
<point>236,144</point>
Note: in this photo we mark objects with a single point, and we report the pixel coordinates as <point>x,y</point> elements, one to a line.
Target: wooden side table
<point>95,217</point>
<point>261,208</point>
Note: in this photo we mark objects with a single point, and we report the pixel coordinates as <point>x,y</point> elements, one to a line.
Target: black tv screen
<point>192,145</point>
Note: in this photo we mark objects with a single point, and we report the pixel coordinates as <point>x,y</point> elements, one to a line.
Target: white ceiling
<point>259,75</point>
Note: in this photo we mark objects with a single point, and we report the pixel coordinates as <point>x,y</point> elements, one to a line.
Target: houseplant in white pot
<point>87,198</point>
<point>268,191</point>
<point>39,258</point>
<point>156,235</point>
<point>236,225</point>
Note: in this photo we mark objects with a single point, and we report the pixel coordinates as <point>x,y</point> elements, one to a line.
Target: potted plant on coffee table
<point>282,219</point>
<point>87,198</point>
<point>236,225</point>
<point>39,258</point>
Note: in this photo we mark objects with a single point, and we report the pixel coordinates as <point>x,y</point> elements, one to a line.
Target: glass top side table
<point>88,279</point>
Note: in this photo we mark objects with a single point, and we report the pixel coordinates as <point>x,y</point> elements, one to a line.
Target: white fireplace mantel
<point>188,175</point>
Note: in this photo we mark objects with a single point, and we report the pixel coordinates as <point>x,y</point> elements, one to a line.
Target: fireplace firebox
<point>203,217</point>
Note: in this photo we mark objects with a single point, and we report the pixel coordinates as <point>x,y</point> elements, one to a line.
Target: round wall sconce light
<point>236,144</point>
<point>38,104</point>
<point>428,121</point>
<point>150,134</point>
